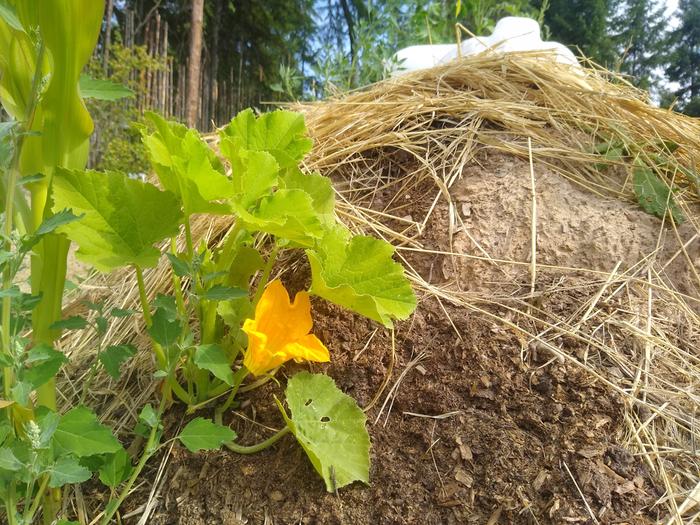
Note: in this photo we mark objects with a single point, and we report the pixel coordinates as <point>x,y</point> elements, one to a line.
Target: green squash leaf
<point>212,357</point>
<point>287,214</point>
<point>187,167</point>
<point>653,195</point>
<point>319,188</point>
<point>330,427</point>
<point>79,433</point>
<point>113,357</point>
<point>123,219</point>
<point>361,275</point>
<point>67,470</point>
<point>101,89</point>
<point>203,434</point>
<point>280,133</point>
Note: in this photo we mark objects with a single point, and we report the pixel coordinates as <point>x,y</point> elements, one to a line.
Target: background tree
<point>584,24</point>
<point>639,32</point>
<point>684,60</point>
<point>193,65</point>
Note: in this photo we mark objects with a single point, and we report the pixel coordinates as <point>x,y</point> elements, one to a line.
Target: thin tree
<point>684,61</point>
<point>639,32</point>
<point>107,42</point>
<point>194,66</point>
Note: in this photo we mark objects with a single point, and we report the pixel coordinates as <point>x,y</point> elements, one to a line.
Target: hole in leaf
<point>325,419</point>
<point>308,402</point>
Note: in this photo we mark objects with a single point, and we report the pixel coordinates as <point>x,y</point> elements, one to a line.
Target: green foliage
<point>359,274</point>
<point>79,433</point>
<point>123,218</point>
<point>212,358</point>
<point>323,419</point>
<point>114,356</point>
<point>203,434</point>
<point>653,194</point>
<point>684,58</point>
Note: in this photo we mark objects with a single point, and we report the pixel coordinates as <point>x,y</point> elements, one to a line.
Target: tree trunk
<point>214,76</point>
<point>193,72</point>
<point>107,42</point>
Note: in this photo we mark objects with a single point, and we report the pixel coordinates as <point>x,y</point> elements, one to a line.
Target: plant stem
<point>148,450</point>
<point>252,449</point>
<point>177,282</point>
<point>146,308</point>
<point>266,274</point>
<point>29,516</point>
<point>238,378</point>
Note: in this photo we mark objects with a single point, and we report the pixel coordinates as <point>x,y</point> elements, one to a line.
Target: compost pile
<point>550,373</point>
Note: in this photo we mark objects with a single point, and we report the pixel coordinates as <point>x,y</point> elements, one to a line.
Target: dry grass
<point>427,126</point>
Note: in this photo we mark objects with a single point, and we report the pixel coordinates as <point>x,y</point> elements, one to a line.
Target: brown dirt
<point>486,427</point>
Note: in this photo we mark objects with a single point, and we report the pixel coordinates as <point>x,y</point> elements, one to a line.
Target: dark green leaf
<point>45,362</point>
<point>165,330</point>
<point>75,322</point>
<point>654,195</point>
<point>113,357</point>
<point>67,470</point>
<point>122,312</point>
<point>180,267</point>
<point>223,293</point>
<point>80,434</point>
<point>116,469</point>
<point>8,461</point>
<point>203,434</point>
<point>213,358</point>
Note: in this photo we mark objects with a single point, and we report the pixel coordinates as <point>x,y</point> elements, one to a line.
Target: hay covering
<point>420,131</point>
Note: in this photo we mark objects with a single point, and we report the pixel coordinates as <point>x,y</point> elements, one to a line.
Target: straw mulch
<point>421,131</point>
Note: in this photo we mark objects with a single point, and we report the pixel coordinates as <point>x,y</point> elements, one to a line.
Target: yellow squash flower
<point>280,331</point>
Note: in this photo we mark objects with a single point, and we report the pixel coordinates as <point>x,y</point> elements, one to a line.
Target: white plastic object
<point>511,34</point>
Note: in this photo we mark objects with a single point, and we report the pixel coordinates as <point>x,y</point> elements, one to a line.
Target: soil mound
<point>550,372</point>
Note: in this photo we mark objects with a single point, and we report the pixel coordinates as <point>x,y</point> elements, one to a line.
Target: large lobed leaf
<point>280,133</point>
<point>123,218</point>
<point>187,167</point>
<point>361,275</point>
<point>330,427</point>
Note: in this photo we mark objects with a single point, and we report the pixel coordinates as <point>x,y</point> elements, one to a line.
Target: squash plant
<point>224,322</point>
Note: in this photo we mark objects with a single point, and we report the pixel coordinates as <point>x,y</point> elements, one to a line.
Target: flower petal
<point>281,320</point>
<point>308,348</point>
<point>258,359</point>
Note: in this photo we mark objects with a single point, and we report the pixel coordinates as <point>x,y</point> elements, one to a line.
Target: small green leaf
<point>148,416</point>
<point>45,362</point>
<point>8,460</point>
<point>75,322</point>
<point>203,434</point>
<point>165,330</point>
<point>330,427</point>
<point>362,276</point>
<point>123,219</point>
<point>79,433</point>
<point>223,293</point>
<point>180,267</point>
<point>67,522</point>
<point>113,357</point>
<point>101,89</point>
<point>57,219</point>
<point>122,312</point>
<point>213,358</point>
<point>48,423</point>
<point>653,194</point>
<point>116,469</point>
<point>67,470</point>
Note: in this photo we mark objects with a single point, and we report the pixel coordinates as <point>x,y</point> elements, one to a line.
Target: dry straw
<point>425,127</point>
